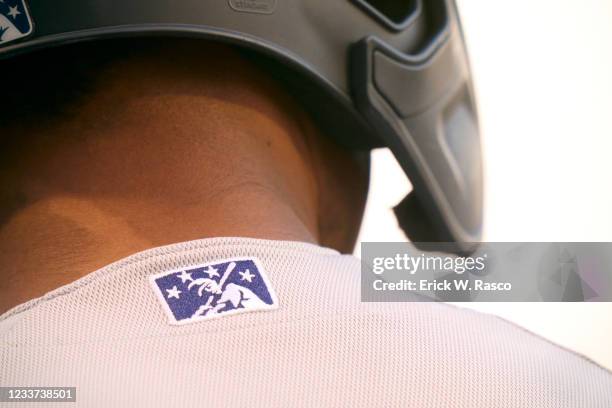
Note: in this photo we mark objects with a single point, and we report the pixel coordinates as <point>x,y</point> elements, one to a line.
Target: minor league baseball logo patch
<point>15,21</point>
<point>213,290</point>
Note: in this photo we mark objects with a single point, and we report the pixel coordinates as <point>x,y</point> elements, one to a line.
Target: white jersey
<point>233,322</point>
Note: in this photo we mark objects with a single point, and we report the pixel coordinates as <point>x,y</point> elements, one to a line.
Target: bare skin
<point>168,149</point>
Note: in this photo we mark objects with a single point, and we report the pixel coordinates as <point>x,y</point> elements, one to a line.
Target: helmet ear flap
<point>414,221</point>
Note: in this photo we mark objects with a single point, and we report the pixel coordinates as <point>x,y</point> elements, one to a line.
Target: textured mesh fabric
<point>107,335</point>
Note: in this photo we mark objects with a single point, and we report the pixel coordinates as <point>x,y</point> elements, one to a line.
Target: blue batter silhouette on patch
<point>15,21</point>
<point>213,290</point>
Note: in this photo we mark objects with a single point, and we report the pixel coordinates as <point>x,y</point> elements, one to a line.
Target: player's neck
<point>101,200</point>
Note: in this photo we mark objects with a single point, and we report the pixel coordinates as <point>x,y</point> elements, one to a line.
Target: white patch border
<point>29,17</point>
<point>168,311</point>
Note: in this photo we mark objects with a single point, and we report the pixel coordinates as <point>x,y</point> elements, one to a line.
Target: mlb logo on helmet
<point>15,21</point>
<point>213,290</point>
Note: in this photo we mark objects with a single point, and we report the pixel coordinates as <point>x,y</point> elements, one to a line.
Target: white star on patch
<point>13,12</point>
<point>212,272</point>
<point>247,276</point>
<point>185,276</point>
<point>173,293</point>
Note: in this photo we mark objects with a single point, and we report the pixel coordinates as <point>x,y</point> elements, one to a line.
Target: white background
<point>543,79</point>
